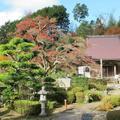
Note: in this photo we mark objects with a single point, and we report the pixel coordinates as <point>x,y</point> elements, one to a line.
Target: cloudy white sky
<point>15,9</point>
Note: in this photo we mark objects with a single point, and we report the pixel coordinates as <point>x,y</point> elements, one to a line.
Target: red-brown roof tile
<point>103,47</point>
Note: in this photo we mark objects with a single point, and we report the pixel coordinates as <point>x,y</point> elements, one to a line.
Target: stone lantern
<point>43,94</point>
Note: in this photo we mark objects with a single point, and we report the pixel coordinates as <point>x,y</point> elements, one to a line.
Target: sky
<point>15,9</point>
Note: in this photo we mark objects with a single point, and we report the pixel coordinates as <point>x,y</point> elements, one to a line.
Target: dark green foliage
<point>9,96</point>
<point>54,92</point>
<point>49,84</point>
<point>58,95</point>
<point>7,30</point>
<point>85,29</point>
<point>58,12</point>
<point>80,11</point>
<point>19,73</point>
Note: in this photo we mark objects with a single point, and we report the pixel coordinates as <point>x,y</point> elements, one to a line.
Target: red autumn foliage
<point>113,30</point>
<point>26,24</point>
<point>52,51</point>
<point>37,29</point>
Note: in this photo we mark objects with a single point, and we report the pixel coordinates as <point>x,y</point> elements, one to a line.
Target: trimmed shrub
<point>26,107</point>
<point>70,96</point>
<point>80,97</point>
<point>93,95</point>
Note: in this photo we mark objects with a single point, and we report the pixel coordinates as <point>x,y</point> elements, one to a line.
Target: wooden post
<point>115,70</point>
<point>65,102</point>
<point>101,68</point>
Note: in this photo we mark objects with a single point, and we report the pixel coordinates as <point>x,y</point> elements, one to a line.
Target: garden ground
<point>74,112</point>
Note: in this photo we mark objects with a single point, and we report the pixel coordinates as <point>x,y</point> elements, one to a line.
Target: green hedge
<point>26,107</point>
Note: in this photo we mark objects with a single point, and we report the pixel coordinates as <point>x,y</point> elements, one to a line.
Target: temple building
<point>105,50</point>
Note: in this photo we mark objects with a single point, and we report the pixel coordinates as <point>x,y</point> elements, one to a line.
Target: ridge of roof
<point>103,36</point>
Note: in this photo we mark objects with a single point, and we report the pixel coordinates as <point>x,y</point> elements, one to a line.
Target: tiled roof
<point>103,47</point>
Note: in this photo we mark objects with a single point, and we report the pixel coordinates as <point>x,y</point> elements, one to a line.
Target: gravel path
<point>85,112</point>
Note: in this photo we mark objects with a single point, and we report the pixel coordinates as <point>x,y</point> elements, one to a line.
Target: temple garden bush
<point>105,106</point>
<point>97,84</point>
<point>86,90</point>
<point>80,97</point>
<point>71,96</point>
<point>81,82</point>
<point>77,89</point>
<point>50,106</point>
<point>87,84</point>
<point>109,102</point>
<point>113,99</point>
<point>58,95</point>
<point>93,95</point>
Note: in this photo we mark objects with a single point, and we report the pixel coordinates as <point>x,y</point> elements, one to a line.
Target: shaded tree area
<point>84,29</point>
<point>7,31</point>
